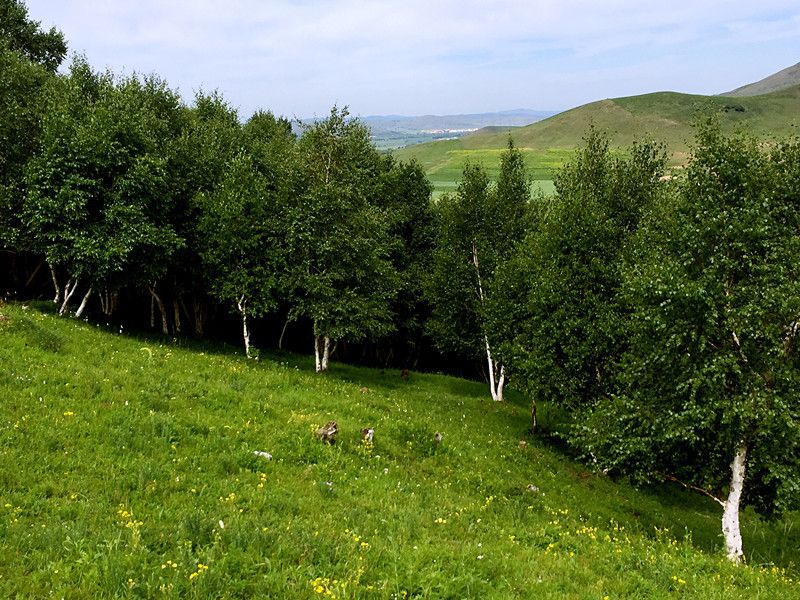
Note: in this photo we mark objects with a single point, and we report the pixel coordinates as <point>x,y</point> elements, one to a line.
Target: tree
<point>240,248</point>
<point>709,384</point>
<point>24,36</point>
<point>210,138</point>
<point>404,193</point>
<point>28,58</point>
<point>478,229</point>
<point>243,221</point>
<point>339,274</point>
<point>563,331</point>
<point>99,190</point>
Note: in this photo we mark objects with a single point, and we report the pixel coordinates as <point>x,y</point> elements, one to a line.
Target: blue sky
<point>297,58</point>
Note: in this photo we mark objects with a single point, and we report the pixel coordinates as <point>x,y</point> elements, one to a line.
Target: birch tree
<point>563,332</point>
<point>243,222</point>
<point>339,275</point>
<point>709,384</point>
<point>478,229</point>
<point>99,189</point>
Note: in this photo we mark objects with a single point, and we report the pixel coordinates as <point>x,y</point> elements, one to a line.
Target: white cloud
<point>393,56</point>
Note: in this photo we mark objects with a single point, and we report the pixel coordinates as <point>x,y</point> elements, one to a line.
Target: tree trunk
<point>161,309</point>
<point>501,383</point>
<point>84,302</point>
<point>108,302</point>
<point>57,298</point>
<point>241,304</point>
<point>176,310</point>
<point>34,274</point>
<point>497,376</point>
<point>68,291</point>
<point>322,352</point>
<point>200,315</point>
<point>730,517</point>
<point>283,332</point>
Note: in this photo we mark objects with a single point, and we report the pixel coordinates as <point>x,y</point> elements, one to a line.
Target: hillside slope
<point>128,470</point>
<point>783,79</point>
<point>663,116</point>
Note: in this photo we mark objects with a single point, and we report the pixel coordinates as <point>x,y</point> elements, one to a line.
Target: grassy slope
<point>121,457</point>
<point>665,116</point>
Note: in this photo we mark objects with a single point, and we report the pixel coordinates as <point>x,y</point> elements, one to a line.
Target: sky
<point>415,57</point>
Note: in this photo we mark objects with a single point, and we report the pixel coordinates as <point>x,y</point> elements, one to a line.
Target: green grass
<point>663,116</point>
<point>121,458</point>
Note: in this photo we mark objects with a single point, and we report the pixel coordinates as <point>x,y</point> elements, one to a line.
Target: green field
<point>663,116</point>
<point>128,471</point>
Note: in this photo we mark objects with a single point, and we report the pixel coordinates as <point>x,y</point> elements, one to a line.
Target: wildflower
<point>69,413</point>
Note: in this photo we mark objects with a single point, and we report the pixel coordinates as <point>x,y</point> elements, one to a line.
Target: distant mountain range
<point>397,131</point>
<point>455,123</point>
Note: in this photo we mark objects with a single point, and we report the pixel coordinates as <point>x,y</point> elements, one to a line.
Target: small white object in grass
<point>533,488</point>
<point>221,524</point>
<point>263,454</point>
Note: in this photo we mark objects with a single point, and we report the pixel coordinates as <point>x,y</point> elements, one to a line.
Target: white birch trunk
<point>489,360</point>
<point>176,311</point>
<point>322,352</point>
<point>161,309</point>
<point>326,353</point>
<point>68,291</point>
<point>84,302</point>
<point>730,517</point>
<point>501,382</point>
<point>497,377</point>
<point>57,298</point>
<point>241,304</point>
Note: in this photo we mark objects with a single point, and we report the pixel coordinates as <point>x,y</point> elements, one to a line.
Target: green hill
<point>129,471</point>
<point>664,116</point>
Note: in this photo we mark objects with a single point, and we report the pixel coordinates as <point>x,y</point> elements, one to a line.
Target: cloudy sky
<point>411,57</point>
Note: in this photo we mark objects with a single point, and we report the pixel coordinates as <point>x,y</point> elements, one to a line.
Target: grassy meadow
<point>127,470</point>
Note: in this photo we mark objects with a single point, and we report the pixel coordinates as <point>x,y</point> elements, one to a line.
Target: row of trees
<point>662,312</point>
<point>120,187</point>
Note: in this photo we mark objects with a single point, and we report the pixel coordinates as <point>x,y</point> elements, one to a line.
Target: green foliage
<point>121,455</point>
<point>23,36</point>
<point>405,198</point>
<point>561,326</point>
<point>712,361</point>
<point>478,230</point>
<point>241,231</point>
<point>100,188</point>
<point>21,108</point>
<point>340,276</point>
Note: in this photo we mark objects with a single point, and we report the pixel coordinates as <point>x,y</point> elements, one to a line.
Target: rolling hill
<point>663,116</point>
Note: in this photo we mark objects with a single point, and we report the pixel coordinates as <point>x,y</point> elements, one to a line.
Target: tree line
<point>661,311</point>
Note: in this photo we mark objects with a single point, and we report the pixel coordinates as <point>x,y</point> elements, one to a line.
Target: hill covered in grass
<point>663,116</point>
<point>129,470</point>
